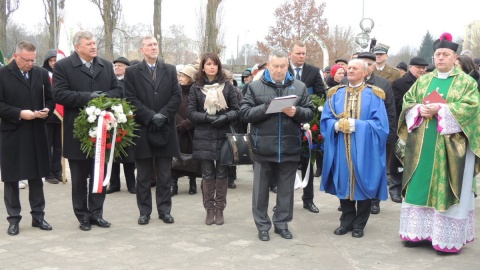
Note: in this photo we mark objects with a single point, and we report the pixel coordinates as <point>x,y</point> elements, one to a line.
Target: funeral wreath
<point>117,125</point>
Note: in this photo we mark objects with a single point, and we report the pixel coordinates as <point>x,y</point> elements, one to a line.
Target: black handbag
<point>158,137</point>
<point>185,163</point>
<point>236,149</point>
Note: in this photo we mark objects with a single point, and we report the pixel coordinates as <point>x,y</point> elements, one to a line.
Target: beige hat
<point>190,71</point>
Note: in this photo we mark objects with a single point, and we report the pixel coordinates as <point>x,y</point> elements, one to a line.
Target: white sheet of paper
<point>280,103</point>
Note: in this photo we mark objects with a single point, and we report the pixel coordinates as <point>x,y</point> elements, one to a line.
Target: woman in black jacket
<point>185,129</point>
<point>212,106</point>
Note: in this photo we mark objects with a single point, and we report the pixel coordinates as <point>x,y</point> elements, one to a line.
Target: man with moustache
<point>152,87</point>
<point>77,79</point>
<point>25,102</point>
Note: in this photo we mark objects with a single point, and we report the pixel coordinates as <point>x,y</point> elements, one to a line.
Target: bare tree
<point>341,42</point>
<point>16,33</point>
<point>7,7</point>
<point>404,54</point>
<point>110,10</point>
<point>178,49</point>
<point>211,28</point>
<point>50,12</point>
<point>294,20</point>
<point>157,24</point>
<point>200,13</point>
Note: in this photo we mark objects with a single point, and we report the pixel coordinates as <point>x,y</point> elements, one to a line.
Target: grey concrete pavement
<point>190,244</point>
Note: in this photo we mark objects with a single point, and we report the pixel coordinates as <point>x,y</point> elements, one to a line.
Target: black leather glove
<point>159,120</point>
<point>210,118</point>
<point>221,121</point>
<point>97,94</point>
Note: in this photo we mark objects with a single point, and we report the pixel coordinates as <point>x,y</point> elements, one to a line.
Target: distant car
<point>238,78</point>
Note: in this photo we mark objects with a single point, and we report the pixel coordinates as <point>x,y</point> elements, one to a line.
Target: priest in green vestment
<point>440,126</point>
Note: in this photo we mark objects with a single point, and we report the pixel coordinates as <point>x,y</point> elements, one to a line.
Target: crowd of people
<point>371,110</point>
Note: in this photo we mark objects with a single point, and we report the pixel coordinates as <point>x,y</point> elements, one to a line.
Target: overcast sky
<point>397,23</point>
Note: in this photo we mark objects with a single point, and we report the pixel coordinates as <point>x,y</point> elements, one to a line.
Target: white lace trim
<point>446,233</point>
<point>449,230</point>
<point>447,123</point>
<point>411,116</point>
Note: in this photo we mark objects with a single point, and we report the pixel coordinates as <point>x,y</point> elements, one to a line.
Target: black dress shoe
<point>396,198</point>
<point>232,185</point>
<point>311,207</point>
<point>357,233</point>
<point>13,229</point>
<point>167,218</point>
<point>341,230</point>
<point>42,224</point>
<point>85,225</point>
<point>443,253</point>
<point>133,191</point>
<point>273,189</point>
<point>339,208</point>
<point>411,244</point>
<point>284,233</point>
<point>102,223</point>
<point>112,190</point>
<point>375,208</point>
<point>143,219</point>
<point>263,236</point>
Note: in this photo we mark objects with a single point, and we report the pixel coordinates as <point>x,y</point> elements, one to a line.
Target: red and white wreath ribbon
<point>105,119</point>
<point>298,182</point>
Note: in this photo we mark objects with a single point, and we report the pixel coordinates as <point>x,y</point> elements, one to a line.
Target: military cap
<point>381,48</point>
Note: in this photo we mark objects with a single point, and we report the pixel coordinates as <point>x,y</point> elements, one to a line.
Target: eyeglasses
<point>27,60</point>
<point>421,67</point>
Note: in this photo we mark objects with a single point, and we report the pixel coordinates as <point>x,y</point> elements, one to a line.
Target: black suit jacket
<point>399,87</point>
<point>72,85</point>
<point>150,97</point>
<point>24,142</point>
<point>312,79</point>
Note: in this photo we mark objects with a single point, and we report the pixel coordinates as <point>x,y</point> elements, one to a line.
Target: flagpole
<point>55,20</point>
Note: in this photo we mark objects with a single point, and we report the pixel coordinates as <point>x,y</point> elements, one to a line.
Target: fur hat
<point>190,71</point>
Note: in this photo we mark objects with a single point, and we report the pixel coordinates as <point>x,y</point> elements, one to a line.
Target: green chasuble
<point>434,163</point>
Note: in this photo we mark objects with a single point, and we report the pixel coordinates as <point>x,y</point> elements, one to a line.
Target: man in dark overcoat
<point>310,76</point>
<point>152,87</point>
<point>76,80</point>
<point>25,102</point>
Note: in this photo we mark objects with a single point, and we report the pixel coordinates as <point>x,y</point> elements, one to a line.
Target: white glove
<point>336,126</point>
<point>351,121</point>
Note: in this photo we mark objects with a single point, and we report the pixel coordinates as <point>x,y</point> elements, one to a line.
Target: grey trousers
<point>285,174</point>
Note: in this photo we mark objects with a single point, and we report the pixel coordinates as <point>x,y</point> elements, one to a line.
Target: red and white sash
<point>99,181</point>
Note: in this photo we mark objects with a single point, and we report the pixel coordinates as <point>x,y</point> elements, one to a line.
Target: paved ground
<point>189,244</point>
